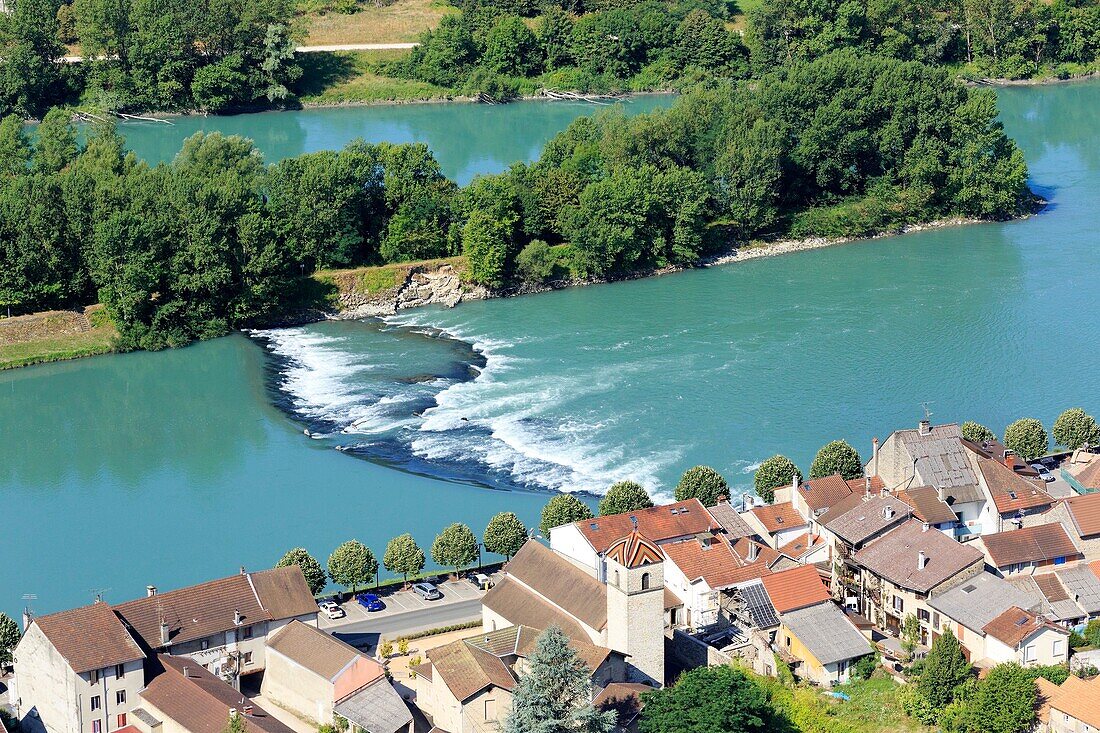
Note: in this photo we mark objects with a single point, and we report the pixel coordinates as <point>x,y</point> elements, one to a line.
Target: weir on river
<point>175,467</point>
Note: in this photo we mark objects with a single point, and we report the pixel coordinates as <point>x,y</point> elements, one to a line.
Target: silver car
<point>1044,474</point>
<point>427,591</point>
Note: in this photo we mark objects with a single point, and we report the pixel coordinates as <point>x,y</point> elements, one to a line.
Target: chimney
<point>164,633</point>
<point>867,487</point>
<point>27,618</point>
<point>924,527</point>
<point>248,710</point>
<point>237,618</point>
<point>150,591</point>
<point>874,455</point>
<point>939,493</point>
<point>723,499</point>
<point>186,672</point>
<point>242,570</point>
<point>754,551</point>
<point>888,512</point>
<point>924,427</point>
<point>922,560</point>
<point>794,484</point>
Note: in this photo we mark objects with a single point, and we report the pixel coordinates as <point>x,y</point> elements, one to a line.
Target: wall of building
<point>636,619</point>
<point>1045,650</point>
<point>292,686</point>
<point>700,602</point>
<point>568,542</point>
<point>61,698</point>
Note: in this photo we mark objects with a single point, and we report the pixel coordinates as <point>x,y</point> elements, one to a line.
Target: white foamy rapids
<point>506,422</point>
<point>323,382</point>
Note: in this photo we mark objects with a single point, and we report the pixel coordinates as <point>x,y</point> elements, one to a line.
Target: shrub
<point>535,262</point>
<point>976,432</point>
<point>385,649</point>
<point>402,646</point>
<point>1027,438</point>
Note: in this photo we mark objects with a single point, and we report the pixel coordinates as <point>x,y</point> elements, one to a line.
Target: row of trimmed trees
<point>834,457</point>
<point>1073,429</point>
<point>353,565</point>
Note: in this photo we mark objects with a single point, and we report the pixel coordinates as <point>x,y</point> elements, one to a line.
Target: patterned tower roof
<point>634,551</point>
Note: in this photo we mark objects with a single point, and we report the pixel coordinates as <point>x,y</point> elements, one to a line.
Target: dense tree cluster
<point>489,48</point>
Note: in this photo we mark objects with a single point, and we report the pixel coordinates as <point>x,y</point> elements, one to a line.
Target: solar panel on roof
<point>759,606</point>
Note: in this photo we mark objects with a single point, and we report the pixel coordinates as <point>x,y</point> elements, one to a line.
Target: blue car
<point>370,601</point>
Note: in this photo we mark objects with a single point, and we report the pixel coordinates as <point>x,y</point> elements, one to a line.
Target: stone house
<point>466,686</point>
<point>1072,707</point>
<point>1080,516</point>
<point>901,571</point>
<point>778,524</point>
<point>315,675</point>
<point>78,671</point>
<point>622,607</point>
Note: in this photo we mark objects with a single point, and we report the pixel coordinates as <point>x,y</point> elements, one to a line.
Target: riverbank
<point>51,336</point>
<point>382,291</point>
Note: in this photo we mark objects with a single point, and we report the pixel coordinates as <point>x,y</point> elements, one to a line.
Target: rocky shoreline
<point>443,284</point>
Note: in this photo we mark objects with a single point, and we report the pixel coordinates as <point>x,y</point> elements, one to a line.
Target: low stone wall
<point>38,326</point>
<point>692,653</point>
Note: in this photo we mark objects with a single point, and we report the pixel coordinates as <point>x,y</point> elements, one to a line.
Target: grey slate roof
<point>941,458</point>
<point>981,599</point>
<point>827,632</point>
<point>377,708</point>
<point>894,556</point>
<point>1083,586</point>
<point>1055,609</point>
<point>868,518</point>
<point>731,521</point>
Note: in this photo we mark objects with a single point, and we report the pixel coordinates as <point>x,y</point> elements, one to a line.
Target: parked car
<point>1044,474</point>
<point>370,601</point>
<point>331,610</point>
<point>481,580</point>
<point>427,591</point>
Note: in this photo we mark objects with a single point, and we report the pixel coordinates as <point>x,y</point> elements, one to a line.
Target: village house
<point>934,456</point>
<point>898,573</point>
<point>968,608</point>
<point>78,671</point>
<point>1072,707</point>
<point>853,522</point>
<point>730,523</point>
<point>1080,516</point>
<point>1083,471</point>
<point>183,697</point>
<point>930,508</point>
<point>1014,494</point>
<point>699,569</point>
<point>316,676</point>
<point>625,698</point>
<point>622,608</point>
<point>1055,603</point>
<point>466,686</point>
<point>1029,550</point>
<point>813,498</point>
<point>778,524</point>
<point>1025,638</point>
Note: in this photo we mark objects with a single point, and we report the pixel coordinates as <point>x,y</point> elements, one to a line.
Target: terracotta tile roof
<point>468,666</point>
<point>1089,476</point>
<point>821,493</point>
<point>1046,692</point>
<point>743,548</point>
<point>634,551</point>
<point>927,506</point>
<point>208,608</point>
<point>712,560</point>
<point>777,517</point>
<point>199,702</point>
<point>795,588</point>
<point>895,556</point>
<point>320,653</point>
<point>1040,543</point>
<point>801,545</point>
<point>1015,625</point>
<point>90,637</point>
<point>1085,511</point>
<point>659,523</point>
<point>1079,699</point>
<point>1094,566</point>
<point>1010,491</point>
<point>560,582</point>
<point>1049,586</point>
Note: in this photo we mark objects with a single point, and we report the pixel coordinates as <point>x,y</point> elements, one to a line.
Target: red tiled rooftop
<point>799,545</point>
<point>822,493</point>
<point>1015,625</point>
<point>659,524</point>
<point>1041,543</point>
<point>1012,492</point>
<point>795,588</point>
<point>778,517</point>
<point>714,561</point>
<point>1085,511</point>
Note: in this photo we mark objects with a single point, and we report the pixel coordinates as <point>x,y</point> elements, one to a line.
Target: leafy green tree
<point>444,56</point>
<point>554,694</point>
<point>311,569</point>
<point>703,40</point>
<point>1027,438</point>
<point>910,635</point>
<point>505,534</point>
<point>554,32</point>
<point>352,565</point>
<point>1003,702</point>
<point>562,509</point>
<point>535,262</point>
<point>702,483</point>
<point>774,473</point>
<point>485,242</point>
<point>456,547</point>
<point>30,76</point>
<point>15,149</point>
<point>403,556</point>
<point>9,637</point>
<point>976,432</point>
<point>837,457</point>
<point>220,85</point>
<point>1075,429</point>
<point>55,144</point>
<point>945,669</point>
<point>512,48</point>
<point>624,496</point>
<point>708,700</point>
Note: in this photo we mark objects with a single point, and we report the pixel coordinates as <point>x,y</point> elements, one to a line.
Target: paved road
<point>365,634</point>
<point>310,49</point>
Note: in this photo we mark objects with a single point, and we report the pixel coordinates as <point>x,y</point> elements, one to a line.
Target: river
<point>174,467</point>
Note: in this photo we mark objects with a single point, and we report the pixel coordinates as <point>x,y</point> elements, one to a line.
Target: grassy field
<point>350,77</point>
<point>874,708</point>
<point>399,22</point>
<point>373,280</point>
<point>55,339</point>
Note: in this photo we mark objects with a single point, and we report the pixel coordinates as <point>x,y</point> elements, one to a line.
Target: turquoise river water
<point>170,468</point>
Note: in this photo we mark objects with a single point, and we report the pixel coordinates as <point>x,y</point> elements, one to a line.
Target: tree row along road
<point>311,49</point>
